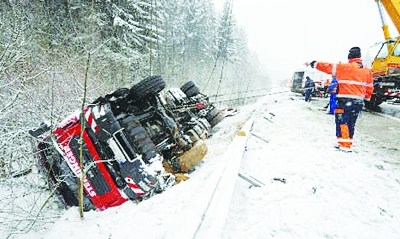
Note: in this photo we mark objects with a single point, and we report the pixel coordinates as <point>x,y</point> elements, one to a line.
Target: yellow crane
<point>386,64</point>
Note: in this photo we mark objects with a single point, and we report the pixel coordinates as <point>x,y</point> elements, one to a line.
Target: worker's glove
<point>312,64</point>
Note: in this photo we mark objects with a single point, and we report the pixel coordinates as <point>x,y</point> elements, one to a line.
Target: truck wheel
<point>148,87</point>
<point>373,103</point>
<point>214,117</point>
<point>190,89</point>
<point>139,138</point>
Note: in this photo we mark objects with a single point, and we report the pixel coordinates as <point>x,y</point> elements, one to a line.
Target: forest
<point>50,50</point>
<point>56,55</point>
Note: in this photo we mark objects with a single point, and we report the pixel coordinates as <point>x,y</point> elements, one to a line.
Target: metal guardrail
<point>214,214</point>
<point>241,100</point>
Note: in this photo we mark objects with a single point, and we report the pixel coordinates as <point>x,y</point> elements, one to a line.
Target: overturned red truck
<point>127,145</point>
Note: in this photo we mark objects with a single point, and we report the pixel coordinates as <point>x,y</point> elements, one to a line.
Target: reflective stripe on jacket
<point>353,81</point>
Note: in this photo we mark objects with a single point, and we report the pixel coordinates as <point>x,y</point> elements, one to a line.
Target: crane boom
<point>385,26</point>
<point>393,10</point>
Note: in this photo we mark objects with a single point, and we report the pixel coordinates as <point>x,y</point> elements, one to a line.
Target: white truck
<point>299,79</point>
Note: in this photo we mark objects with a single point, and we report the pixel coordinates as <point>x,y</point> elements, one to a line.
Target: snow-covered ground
<point>324,193</point>
<point>309,189</point>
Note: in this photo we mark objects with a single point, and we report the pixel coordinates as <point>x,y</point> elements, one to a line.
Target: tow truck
<point>386,64</point>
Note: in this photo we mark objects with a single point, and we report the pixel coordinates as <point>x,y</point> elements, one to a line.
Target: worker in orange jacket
<point>355,84</point>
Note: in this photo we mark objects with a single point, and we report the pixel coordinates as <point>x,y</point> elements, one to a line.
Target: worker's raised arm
<point>328,68</point>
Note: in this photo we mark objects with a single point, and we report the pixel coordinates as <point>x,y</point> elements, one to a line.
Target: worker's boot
<point>344,147</point>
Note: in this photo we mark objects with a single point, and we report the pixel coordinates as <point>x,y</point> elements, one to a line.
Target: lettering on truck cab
<point>74,165</point>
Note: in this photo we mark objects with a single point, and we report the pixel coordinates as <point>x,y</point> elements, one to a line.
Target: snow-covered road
<point>313,191</point>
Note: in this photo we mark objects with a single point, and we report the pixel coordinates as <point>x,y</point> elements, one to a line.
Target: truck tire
<point>190,89</point>
<point>373,103</point>
<point>214,117</point>
<point>146,88</point>
<point>139,138</point>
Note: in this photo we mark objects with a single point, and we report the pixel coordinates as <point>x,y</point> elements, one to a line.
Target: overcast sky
<point>286,33</point>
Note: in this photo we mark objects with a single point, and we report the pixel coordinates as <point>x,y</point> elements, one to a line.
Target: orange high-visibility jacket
<point>354,82</point>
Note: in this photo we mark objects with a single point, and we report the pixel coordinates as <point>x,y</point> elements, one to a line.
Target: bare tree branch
<point>9,104</point>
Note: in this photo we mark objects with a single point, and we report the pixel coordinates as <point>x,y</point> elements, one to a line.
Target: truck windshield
<point>396,51</point>
<point>383,52</point>
<point>298,77</point>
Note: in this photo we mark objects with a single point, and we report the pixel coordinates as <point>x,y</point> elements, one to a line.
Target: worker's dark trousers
<point>308,95</point>
<point>332,103</point>
<point>346,114</point>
